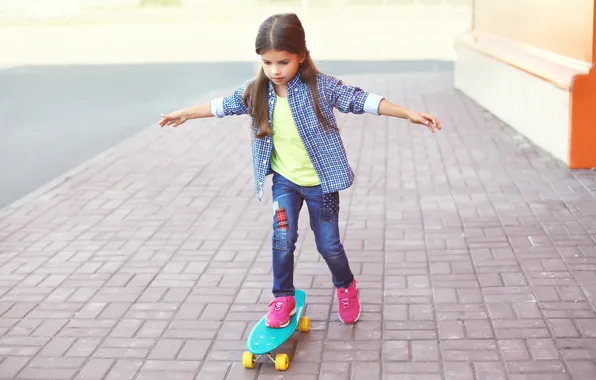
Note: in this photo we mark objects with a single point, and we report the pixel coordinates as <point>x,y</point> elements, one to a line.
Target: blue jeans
<point>287,203</point>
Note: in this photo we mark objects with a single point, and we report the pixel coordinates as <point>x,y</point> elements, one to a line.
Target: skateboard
<point>263,340</point>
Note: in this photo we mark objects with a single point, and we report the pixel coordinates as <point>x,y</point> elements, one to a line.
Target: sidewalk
<point>474,251</point>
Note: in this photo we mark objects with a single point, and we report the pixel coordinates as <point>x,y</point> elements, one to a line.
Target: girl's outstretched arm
<point>387,108</point>
<point>176,118</point>
<point>220,107</point>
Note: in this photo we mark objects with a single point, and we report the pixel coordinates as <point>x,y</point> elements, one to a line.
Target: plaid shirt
<point>324,146</point>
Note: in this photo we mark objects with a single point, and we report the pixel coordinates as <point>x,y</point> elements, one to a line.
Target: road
<point>56,117</point>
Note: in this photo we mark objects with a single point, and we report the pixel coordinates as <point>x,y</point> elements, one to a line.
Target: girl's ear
<point>302,57</point>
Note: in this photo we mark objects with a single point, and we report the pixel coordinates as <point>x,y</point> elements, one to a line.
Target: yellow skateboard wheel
<point>248,360</point>
<point>282,362</point>
<point>304,324</point>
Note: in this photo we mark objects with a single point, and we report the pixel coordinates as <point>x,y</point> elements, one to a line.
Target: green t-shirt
<point>289,157</point>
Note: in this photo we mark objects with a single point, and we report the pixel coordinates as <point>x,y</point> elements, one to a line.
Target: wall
<point>563,27</point>
<point>530,62</point>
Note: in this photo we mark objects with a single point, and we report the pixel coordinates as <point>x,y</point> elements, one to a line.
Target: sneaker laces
<point>345,302</point>
<point>277,305</point>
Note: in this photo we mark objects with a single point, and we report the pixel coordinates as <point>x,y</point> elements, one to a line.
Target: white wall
<point>534,107</point>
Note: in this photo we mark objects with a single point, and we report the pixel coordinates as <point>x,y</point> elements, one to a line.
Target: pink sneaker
<point>348,304</point>
<point>280,311</point>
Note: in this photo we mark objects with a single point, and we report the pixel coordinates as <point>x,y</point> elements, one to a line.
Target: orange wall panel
<point>583,134</point>
<point>564,27</point>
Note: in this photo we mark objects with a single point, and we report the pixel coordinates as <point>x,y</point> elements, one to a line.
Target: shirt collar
<point>293,83</point>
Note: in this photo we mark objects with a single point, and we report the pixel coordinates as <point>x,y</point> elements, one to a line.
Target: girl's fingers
<point>433,120</point>
<point>437,124</point>
<point>167,120</point>
<point>170,121</point>
<point>430,123</point>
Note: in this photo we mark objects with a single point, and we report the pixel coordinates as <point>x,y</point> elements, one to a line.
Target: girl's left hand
<point>422,118</point>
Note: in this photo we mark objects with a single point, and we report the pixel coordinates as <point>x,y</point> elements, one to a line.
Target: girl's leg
<point>287,202</point>
<point>324,222</point>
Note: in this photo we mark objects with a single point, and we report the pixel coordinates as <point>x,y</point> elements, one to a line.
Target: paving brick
<point>543,349</point>
<point>363,370</point>
<point>56,347</point>
<point>194,350</point>
<point>11,366</point>
<point>587,327</point>
<point>125,369</point>
<point>539,376</point>
<point>95,369</point>
<point>356,351</point>
<point>469,350</point>
<point>543,366</point>
<point>83,347</point>
<point>528,328</point>
<point>458,371</point>
<point>562,328</point>
<point>47,373</point>
<point>156,375</point>
<point>425,351</point>
<point>425,371</point>
<point>582,369</point>
<point>512,350</point>
<point>152,329</point>
<point>309,351</point>
<point>396,351</point>
<point>490,371</point>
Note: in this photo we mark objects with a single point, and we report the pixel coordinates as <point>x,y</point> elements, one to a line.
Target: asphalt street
<point>56,117</point>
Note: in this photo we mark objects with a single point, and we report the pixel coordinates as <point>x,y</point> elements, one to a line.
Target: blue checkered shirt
<point>324,145</point>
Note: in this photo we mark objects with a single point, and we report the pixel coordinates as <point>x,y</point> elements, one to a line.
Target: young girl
<point>296,139</point>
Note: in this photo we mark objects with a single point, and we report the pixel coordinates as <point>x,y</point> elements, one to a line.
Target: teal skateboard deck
<point>263,340</point>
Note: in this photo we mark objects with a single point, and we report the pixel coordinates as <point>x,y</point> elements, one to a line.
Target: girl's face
<point>281,66</point>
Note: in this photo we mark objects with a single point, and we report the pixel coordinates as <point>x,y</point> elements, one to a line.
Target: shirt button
<point>264,161</point>
<point>295,89</point>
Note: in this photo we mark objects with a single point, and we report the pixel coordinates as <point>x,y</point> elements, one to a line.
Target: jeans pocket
<point>280,239</point>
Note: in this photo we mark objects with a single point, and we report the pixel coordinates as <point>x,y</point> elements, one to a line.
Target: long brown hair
<point>280,32</point>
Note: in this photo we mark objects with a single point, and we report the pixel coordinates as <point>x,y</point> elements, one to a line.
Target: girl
<point>296,139</point>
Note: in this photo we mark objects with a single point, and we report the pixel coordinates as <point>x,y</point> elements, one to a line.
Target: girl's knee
<point>330,248</point>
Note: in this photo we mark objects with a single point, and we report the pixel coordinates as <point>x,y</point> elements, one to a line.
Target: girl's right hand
<point>173,119</point>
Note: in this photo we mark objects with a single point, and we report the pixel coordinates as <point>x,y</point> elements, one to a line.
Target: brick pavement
<point>475,253</point>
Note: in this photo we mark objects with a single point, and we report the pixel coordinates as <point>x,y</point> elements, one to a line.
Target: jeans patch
<point>330,207</point>
<point>281,226</point>
<point>281,216</point>
<point>325,215</point>
<point>280,239</point>
<point>275,206</point>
